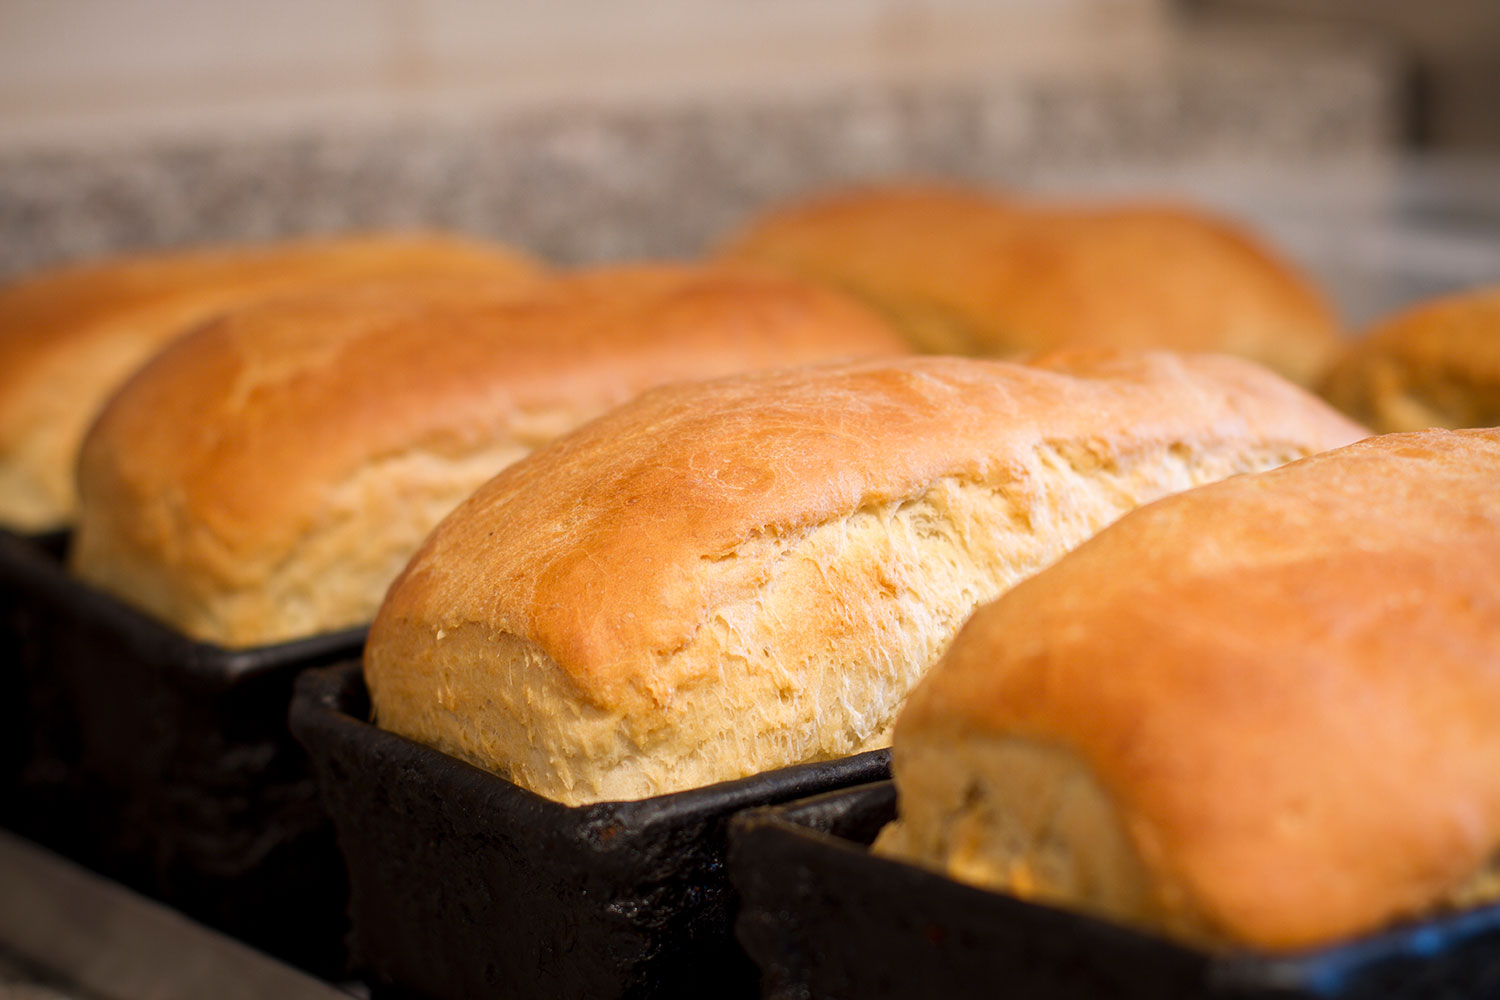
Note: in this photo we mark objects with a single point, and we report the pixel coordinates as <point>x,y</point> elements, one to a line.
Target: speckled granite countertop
<point>585,185</point>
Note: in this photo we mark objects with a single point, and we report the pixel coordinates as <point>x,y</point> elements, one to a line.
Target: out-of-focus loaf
<point>1261,713</point>
<point>1436,365</point>
<point>723,578</point>
<point>963,272</point>
<point>69,337</point>
<point>267,476</point>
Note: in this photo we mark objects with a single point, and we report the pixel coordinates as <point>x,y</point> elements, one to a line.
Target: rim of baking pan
<point>34,565</point>
<point>326,700</point>
<point>1316,971</point>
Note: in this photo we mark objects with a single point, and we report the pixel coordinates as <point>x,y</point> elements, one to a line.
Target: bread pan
<point>465,885</point>
<point>167,763</point>
<point>17,642</point>
<point>825,918</point>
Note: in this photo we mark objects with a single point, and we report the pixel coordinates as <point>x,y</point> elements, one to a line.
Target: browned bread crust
<point>964,272</point>
<point>1435,365</point>
<point>69,337</point>
<point>268,475</point>
<point>731,576</point>
<point>1260,713</point>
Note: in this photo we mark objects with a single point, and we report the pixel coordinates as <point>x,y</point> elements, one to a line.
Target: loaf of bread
<point>70,337</point>
<point>732,576</point>
<point>1257,714</point>
<point>963,272</point>
<point>267,476</point>
<point>1436,365</point>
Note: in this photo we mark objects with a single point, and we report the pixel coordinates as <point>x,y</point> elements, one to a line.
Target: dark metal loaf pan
<point>167,763</point>
<point>463,885</point>
<point>824,918</point>
<point>18,643</point>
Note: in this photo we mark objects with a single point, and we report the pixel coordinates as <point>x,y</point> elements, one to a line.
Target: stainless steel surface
<point>65,932</point>
<point>20,981</point>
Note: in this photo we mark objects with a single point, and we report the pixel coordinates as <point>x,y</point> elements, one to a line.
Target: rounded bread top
<point>600,547</point>
<point>233,445</point>
<point>70,336</point>
<point>1436,364</point>
<point>968,272</point>
<point>1286,683</point>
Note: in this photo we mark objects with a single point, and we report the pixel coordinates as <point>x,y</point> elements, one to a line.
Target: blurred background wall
<point>1450,51</point>
<point>94,67</point>
<point>108,67</point>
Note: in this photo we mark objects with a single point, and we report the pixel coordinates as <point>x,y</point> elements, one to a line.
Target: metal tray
<point>825,918</point>
<point>465,885</point>
<point>167,763</point>
<point>67,934</point>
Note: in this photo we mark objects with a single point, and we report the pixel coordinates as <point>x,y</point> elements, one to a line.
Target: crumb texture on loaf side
<point>70,337</point>
<point>331,575</point>
<point>727,578</point>
<point>1006,812</point>
<point>333,430</point>
<point>1436,365</point>
<point>1274,696</point>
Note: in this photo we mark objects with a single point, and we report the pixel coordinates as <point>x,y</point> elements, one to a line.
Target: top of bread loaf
<point>268,475</point>
<point>1261,712</point>
<point>1434,365</point>
<point>731,576</point>
<point>963,272</point>
<point>69,337</point>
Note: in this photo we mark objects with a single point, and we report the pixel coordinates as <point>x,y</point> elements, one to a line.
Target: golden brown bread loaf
<point>963,272</point>
<point>267,476</point>
<point>1261,713</point>
<point>727,577</point>
<point>1436,365</point>
<point>69,337</point>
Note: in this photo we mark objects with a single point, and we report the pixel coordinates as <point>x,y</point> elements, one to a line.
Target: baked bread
<point>268,476</point>
<point>732,576</point>
<point>69,337</point>
<point>962,272</point>
<point>1257,714</point>
<point>1437,365</point>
